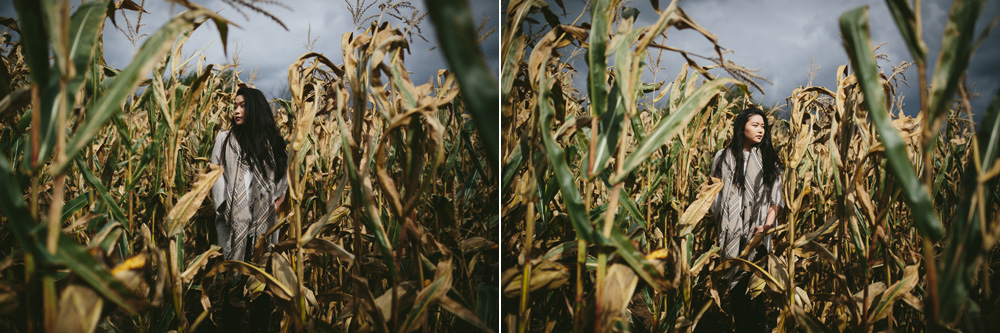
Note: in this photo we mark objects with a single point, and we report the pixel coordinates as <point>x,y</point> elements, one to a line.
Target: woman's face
<point>753,132</point>
<point>240,111</point>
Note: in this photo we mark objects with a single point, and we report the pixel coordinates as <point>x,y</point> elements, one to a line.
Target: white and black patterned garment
<point>244,200</point>
<point>739,213</point>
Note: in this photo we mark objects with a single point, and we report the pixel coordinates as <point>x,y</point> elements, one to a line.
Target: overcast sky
<point>266,46</point>
<point>781,37</point>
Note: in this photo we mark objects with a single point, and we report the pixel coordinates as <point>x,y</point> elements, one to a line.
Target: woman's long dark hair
<point>772,165</point>
<point>261,145</point>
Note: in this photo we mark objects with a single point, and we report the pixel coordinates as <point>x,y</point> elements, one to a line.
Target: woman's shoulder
<point>718,153</point>
<point>221,137</point>
<point>715,158</point>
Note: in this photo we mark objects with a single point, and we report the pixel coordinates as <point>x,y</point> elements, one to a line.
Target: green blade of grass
<point>188,204</point>
<point>645,270</point>
<point>374,220</point>
<point>18,217</point>
<point>34,35</point>
<point>608,130</point>
<point>597,88</point>
<point>277,288</point>
<point>906,21</point>
<point>83,264</point>
<point>956,51</point>
<point>102,192</point>
<point>960,262</point>
<point>457,35</point>
<point>854,27</point>
<point>894,293</point>
<point>69,252</point>
<point>511,66</point>
<point>106,106</point>
<point>84,35</point>
<point>630,205</point>
<point>513,164</point>
<point>73,206</point>
<point>673,124</point>
<point>429,295</point>
<point>557,159</point>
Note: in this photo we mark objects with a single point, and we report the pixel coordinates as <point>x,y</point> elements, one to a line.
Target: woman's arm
<point>277,203</point>
<point>716,207</point>
<point>219,188</point>
<point>772,213</point>
<point>280,190</point>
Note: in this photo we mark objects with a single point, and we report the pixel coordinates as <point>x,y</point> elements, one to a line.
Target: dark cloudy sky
<point>781,37</point>
<point>265,46</point>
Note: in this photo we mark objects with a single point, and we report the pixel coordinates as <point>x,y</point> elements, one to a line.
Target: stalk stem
<point>609,222</point>
<point>529,232</point>
<point>932,294</point>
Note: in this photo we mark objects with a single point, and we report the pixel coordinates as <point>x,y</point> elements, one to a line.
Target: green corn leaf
<point>399,78</point>
<point>188,204</point>
<point>111,162</point>
<point>510,66</point>
<point>633,209</point>
<point>893,293</point>
<point>608,130</point>
<point>223,26</point>
<point>73,206</point>
<point>429,295</point>
<point>149,55</point>
<point>487,305</point>
<point>630,206</point>
<point>906,21</point>
<point>81,42</point>
<point>513,164</point>
<point>557,163</point>
<point>637,130</point>
<point>598,65</point>
<point>16,211</point>
<point>85,33</point>
<point>69,253</point>
<point>628,66</point>
<point>956,51</point>
<point>152,151</point>
<point>277,288</point>
<point>35,37</point>
<point>771,281</point>
<point>960,262</point>
<point>988,134</point>
<point>854,27</point>
<point>462,312</point>
<point>456,33</point>
<point>557,252</point>
<point>374,220</point>
<point>673,124</point>
<point>83,264</point>
<point>809,322</point>
<point>102,192</point>
<point>645,270</point>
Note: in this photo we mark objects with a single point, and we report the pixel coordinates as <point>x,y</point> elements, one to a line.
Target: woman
<point>252,187</point>
<point>253,182</point>
<point>748,204</point>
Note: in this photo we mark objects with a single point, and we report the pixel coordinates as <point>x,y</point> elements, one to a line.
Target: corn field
<point>890,221</point>
<point>389,223</point>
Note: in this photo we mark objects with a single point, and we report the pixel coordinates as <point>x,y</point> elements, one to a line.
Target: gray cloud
<point>266,47</point>
<point>782,38</point>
